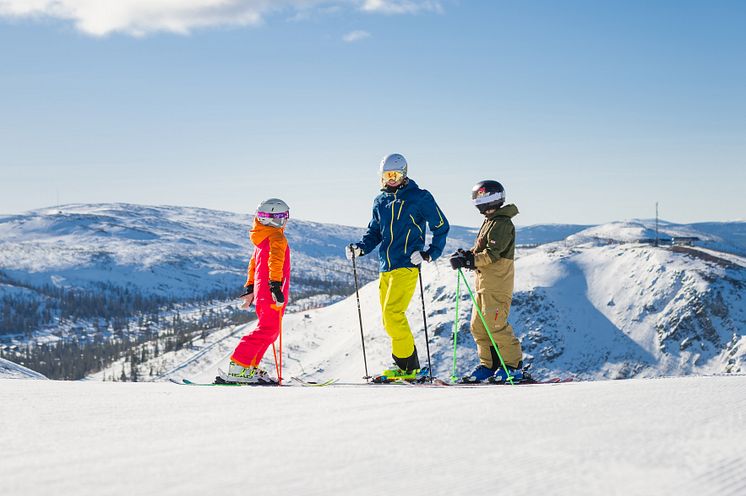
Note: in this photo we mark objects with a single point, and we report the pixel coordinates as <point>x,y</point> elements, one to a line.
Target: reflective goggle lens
<point>278,215</point>
<point>392,176</point>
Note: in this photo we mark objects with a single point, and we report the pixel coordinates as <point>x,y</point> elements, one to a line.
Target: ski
<point>187,382</point>
<point>528,382</point>
<point>305,383</point>
<point>437,382</point>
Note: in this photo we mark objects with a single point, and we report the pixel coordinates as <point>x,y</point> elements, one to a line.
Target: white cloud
<point>141,17</point>
<point>402,6</point>
<point>354,36</point>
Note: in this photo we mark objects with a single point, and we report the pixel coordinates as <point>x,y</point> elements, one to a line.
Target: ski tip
<point>306,383</point>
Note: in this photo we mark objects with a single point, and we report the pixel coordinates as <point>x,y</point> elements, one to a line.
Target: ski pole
<point>455,326</point>
<point>359,313</point>
<point>277,366</point>
<point>278,361</point>
<point>279,376</point>
<point>486,327</point>
<point>424,321</point>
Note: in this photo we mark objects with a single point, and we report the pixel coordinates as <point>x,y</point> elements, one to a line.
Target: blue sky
<point>586,111</point>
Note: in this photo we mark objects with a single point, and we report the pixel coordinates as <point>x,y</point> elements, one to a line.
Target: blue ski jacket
<point>398,225</point>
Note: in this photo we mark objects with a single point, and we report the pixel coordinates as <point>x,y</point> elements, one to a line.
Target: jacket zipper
<point>400,207</point>
<point>391,228</point>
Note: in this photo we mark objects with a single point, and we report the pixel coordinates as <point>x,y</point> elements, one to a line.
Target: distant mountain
<point>727,237</point>
<point>589,300</point>
<point>88,270</point>
<point>173,252</point>
<point>546,233</point>
<point>593,311</point>
<point>582,307</point>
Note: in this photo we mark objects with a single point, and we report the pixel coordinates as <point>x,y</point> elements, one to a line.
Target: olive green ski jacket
<point>494,251</point>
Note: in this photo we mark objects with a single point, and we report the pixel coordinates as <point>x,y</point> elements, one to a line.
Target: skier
<point>401,214</point>
<point>267,286</point>
<point>492,260</point>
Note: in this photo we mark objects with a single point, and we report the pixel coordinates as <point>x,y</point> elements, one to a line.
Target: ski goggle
<point>387,176</point>
<point>271,215</point>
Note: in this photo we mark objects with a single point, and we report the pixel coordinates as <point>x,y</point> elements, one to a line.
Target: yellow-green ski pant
<point>495,308</point>
<point>396,289</point>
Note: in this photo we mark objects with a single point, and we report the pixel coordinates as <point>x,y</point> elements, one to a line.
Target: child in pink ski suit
<point>267,286</point>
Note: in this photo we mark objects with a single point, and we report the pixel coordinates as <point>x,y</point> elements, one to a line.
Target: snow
<point>11,370</point>
<point>594,305</point>
<point>593,312</point>
<point>680,436</point>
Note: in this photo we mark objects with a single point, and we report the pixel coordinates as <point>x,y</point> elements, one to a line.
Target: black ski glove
<point>247,296</point>
<point>276,288</point>
<point>248,290</point>
<point>462,259</point>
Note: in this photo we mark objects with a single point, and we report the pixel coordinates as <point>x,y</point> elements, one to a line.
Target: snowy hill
<point>643,437</point>
<point>90,260</point>
<point>727,237</point>
<point>170,251</point>
<point>545,233</point>
<point>10,370</point>
<point>594,304</point>
<point>589,310</point>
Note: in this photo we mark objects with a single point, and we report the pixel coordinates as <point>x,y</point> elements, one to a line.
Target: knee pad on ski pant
<point>495,309</point>
<point>396,289</point>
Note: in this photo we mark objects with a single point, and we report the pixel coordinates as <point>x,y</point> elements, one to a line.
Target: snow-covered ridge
<point>174,251</point>
<point>592,309</point>
<point>595,312</point>
<point>155,255</point>
<point>721,236</point>
<point>10,370</point>
<point>592,312</point>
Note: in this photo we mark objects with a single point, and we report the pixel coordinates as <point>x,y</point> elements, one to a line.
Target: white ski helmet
<point>273,212</point>
<point>394,163</point>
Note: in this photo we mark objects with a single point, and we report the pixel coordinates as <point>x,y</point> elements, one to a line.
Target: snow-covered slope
<point>720,236</point>
<point>609,311</point>
<point>638,437</point>
<point>172,251</point>
<point>10,370</point>
<point>176,251</point>
<point>595,304</point>
<point>151,256</point>
<point>546,233</point>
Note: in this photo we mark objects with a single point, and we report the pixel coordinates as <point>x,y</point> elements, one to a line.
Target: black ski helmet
<point>488,195</point>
